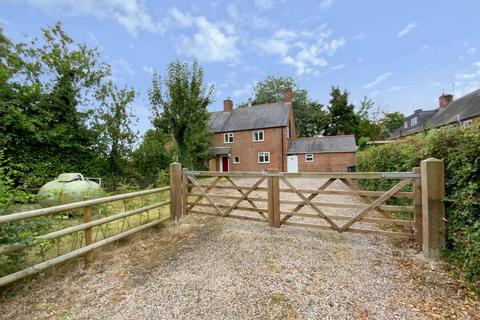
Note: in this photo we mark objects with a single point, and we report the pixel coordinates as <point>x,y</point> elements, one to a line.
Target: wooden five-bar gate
<point>273,197</point>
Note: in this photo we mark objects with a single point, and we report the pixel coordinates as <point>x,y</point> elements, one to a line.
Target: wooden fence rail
<point>86,227</point>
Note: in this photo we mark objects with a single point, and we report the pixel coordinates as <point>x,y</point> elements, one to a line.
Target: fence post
<point>433,207</point>
<point>273,199</point>
<point>175,191</point>
<point>87,217</point>
<point>417,207</point>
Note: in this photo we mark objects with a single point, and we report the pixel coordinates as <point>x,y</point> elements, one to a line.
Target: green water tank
<point>68,187</point>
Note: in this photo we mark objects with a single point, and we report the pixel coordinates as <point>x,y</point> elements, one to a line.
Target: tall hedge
<point>460,149</point>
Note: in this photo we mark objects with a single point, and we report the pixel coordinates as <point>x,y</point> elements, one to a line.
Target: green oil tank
<point>68,187</point>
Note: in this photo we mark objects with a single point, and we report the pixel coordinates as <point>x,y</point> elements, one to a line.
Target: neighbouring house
<point>260,137</point>
<point>462,111</point>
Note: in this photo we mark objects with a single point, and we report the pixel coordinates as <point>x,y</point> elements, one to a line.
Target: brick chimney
<point>227,105</point>
<point>444,99</point>
<point>418,110</point>
<point>288,95</point>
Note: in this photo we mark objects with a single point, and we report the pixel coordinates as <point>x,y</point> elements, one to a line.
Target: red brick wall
<point>326,162</point>
<point>244,147</point>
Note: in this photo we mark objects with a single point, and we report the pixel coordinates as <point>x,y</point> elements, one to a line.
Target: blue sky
<point>402,54</point>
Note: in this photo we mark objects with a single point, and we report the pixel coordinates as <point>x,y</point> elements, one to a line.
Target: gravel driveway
<point>214,268</point>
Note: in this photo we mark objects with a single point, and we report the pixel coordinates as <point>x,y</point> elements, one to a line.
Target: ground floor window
<point>264,157</point>
<point>309,157</point>
<point>236,160</point>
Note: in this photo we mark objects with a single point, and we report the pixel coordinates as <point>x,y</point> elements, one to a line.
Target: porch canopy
<point>219,151</point>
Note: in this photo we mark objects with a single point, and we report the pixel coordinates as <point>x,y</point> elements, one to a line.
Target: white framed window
<point>258,135</point>
<point>228,137</point>
<point>413,121</point>
<point>264,157</point>
<point>236,160</point>
<point>467,122</point>
<point>405,125</point>
<point>309,157</point>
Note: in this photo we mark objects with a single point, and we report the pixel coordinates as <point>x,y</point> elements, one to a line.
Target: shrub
<point>459,147</point>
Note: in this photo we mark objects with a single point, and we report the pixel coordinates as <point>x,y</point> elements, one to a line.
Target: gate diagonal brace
<point>387,195</point>
<point>195,183</point>
<point>314,207</point>
<point>310,197</point>
<point>242,193</point>
<point>244,196</point>
<point>210,187</point>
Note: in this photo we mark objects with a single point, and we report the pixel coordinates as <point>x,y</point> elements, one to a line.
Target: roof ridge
<point>336,136</point>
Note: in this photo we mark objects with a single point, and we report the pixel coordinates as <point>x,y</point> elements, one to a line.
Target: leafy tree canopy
<point>179,106</point>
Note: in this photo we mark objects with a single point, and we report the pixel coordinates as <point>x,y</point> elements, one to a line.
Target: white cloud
<point>338,67</point>
<point>122,66</point>
<point>326,4</point>
<point>245,18</point>
<point>132,15</point>
<point>477,64</point>
<point>246,90</point>
<point>374,93</point>
<point>303,50</point>
<point>471,50</point>
<point>210,42</point>
<point>396,88</point>
<point>333,46</point>
<point>409,27</point>
<point>263,4</point>
<point>148,69</point>
<point>377,80</point>
<point>424,48</point>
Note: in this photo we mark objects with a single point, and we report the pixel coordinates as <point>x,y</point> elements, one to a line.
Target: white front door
<point>292,163</point>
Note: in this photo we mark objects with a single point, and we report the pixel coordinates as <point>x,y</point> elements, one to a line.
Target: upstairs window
<point>309,157</point>
<point>258,135</point>
<point>228,137</point>
<point>413,121</point>
<point>264,157</point>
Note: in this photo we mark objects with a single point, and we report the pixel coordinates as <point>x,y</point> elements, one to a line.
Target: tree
<point>341,114</point>
<point>310,118</point>
<point>113,123</point>
<point>151,157</point>
<point>45,86</point>
<point>390,122</point>
<point>368,127</point>
<point>180,110</point>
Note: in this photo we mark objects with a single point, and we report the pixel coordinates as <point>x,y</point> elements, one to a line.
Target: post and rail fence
<point>188,188</point>
<point>85,229</point>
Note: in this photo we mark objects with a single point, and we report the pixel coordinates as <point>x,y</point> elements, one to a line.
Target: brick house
<point>260,137</point>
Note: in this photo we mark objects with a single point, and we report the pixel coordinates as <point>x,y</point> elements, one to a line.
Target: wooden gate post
<point>273,199</point>
<point>175,191</point>
<point>417,207</point>
<point>433,207</point>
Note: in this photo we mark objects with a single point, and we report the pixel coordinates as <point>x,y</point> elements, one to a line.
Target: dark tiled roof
<point>461,109</point>
<point>322,144</point>
<point>422,118</point>
<point>219,150</point>
<point>255,117</point>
